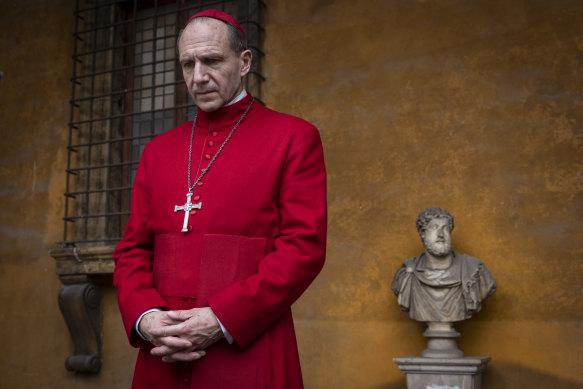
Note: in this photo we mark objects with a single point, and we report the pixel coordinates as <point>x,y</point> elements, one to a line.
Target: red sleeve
<point>247,308</point>
<point>133,256</point>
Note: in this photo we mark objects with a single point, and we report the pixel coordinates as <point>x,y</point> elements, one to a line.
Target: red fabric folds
<point>255,246</point>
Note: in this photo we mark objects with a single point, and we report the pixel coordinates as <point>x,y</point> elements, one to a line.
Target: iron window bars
<point>127,88</point>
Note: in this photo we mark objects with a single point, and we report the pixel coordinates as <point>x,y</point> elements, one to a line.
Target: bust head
<point>434,226</point>
<point>449,287</point>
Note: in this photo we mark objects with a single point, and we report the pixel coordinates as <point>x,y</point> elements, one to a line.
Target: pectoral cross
<point>187,208</point>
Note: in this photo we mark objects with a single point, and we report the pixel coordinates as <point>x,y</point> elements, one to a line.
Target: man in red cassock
<point>227,230</point>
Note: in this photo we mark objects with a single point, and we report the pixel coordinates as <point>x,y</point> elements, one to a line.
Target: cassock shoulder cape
<point>254,247</point>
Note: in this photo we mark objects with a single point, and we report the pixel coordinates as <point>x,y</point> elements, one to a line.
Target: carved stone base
<point>443,373</point>
<point>81,302</point>
<point>441,341</point>
<point>81,307</point>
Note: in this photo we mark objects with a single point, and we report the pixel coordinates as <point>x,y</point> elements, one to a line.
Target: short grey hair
<point>237,39</point>
<point>429,214</point>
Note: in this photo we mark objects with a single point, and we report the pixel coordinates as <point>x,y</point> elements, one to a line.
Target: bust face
<point>437,237</point>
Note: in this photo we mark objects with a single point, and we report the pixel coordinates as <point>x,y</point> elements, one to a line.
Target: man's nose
<point>200,74</point>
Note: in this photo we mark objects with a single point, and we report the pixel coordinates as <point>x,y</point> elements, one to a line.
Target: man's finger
<point>184,356</point>
<point>171,342</point>
<point>167,331</point>
<point>165,349</point>
<point>161,351</point>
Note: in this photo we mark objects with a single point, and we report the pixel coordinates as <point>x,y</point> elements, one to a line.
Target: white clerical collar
<point>240,97</point>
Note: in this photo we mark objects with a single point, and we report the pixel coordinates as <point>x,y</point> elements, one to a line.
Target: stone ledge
<point>443,373</point>
<point>422,365</point>
<point>78,263</point>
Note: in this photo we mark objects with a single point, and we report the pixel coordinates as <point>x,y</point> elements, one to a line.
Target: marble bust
<point>441,285</point>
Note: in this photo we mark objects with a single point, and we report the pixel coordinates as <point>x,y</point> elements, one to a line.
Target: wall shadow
<point>400,384</point>
<point>513,376</point>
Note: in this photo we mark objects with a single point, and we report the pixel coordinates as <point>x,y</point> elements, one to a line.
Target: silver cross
<point>187,208</point>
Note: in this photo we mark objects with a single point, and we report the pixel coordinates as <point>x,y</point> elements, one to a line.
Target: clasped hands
<point>181,335</point>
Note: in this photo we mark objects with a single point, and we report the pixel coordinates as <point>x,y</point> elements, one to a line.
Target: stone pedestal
<point>443,373</point>
<point>441,341</point>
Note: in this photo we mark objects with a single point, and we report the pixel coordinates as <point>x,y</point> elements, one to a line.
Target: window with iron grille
<point>127,87</point>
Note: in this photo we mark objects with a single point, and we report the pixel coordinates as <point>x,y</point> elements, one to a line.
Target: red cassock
<point>255,245</point>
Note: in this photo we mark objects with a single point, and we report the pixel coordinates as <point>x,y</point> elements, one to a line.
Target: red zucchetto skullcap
<point>220,15</point>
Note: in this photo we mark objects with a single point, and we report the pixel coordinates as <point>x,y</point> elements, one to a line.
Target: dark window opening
<point>127,87</point>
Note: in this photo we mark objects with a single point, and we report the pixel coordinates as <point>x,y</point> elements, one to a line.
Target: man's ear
<point>245,59</point>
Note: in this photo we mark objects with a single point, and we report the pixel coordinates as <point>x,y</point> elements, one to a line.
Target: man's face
<point>211,69</point>
<point>437,237</point>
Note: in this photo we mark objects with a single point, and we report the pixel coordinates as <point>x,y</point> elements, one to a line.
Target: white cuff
<point>225,332</point>
<point>137,324</point>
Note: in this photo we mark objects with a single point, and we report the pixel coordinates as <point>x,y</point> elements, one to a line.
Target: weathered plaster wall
<point>35,56</point>
<point>474,106</point>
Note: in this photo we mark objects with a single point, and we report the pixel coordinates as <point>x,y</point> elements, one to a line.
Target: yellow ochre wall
<point>474,106</point>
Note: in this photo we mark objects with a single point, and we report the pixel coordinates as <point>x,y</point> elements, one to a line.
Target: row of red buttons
<point>211,143</point>
<point>186,372</point>
<point>193,211</point>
